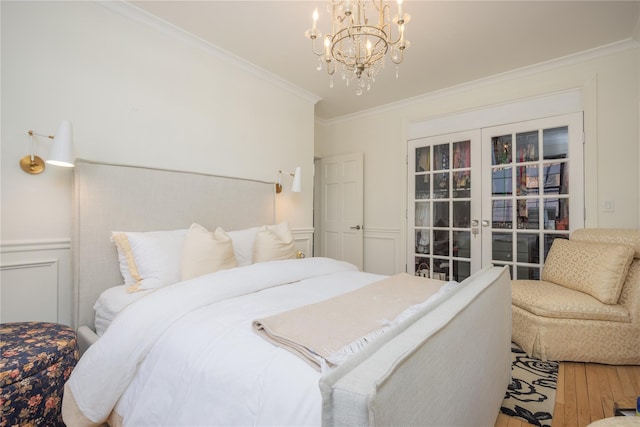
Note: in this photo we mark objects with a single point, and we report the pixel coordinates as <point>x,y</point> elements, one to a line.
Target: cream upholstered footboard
<point>450,367</point>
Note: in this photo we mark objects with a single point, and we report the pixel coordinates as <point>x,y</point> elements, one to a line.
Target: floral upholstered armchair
<point>586,308</point>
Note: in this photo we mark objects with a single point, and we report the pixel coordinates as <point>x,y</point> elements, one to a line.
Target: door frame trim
<point>553,104</point>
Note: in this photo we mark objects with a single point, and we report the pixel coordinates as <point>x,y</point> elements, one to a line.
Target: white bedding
<point>172,357</point>
<point>111,302</point>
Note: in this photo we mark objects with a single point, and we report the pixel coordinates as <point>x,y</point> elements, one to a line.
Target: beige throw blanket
<point>331,330</point>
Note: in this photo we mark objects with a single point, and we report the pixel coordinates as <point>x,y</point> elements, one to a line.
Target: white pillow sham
<point>149,259</point>
<point>205,252</point>
<point>274,242</point>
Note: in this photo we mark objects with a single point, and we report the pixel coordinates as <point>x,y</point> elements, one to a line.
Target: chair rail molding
<point>34,245</point>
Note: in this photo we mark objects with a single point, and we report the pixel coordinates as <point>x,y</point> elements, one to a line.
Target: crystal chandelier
<point>359,40</point>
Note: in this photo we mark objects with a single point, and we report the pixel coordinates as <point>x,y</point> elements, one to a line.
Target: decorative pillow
<point>274,242</point>
<point>597,269</point>
<point>149,259</point>
<point>205,252</point>
<point>243,245</point>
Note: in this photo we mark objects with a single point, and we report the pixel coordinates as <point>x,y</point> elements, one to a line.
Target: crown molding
<point>126,9</point>
<point>568,60</point>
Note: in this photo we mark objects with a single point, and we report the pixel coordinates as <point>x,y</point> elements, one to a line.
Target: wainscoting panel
<point>35,281</point>
<point>382,251</point>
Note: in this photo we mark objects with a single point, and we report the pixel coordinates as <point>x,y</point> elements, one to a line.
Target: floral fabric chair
<point>36,360</point>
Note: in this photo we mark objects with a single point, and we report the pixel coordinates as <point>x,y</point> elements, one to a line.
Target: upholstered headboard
<point>111,197</point>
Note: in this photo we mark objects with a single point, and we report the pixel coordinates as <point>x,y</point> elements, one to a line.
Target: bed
<point>188,353</point>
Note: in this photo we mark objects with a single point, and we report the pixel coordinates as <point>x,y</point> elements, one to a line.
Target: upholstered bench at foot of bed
<point>36,360</point>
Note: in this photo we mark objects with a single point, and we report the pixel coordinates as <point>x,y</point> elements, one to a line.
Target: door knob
<point>485,223</point>
<point>357,227</point>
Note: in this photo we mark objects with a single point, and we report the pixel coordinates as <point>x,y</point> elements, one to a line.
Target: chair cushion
<point>547,299</point>
<point>597,269</point>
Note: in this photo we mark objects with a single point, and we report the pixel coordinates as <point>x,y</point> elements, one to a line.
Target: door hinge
<point>584,138</point>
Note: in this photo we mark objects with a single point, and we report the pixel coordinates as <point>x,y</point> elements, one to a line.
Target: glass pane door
<point>532,190</point>
<point>444,177</point>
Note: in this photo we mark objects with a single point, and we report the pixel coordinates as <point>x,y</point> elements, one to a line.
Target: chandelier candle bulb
<point>399,9</point>
<point>315,19</point>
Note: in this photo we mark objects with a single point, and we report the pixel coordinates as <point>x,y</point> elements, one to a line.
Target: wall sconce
<point>61,152</point>
<point>296,186</point>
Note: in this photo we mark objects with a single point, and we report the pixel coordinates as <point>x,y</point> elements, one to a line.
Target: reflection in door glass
<point>527,181</point>
<point>555,143</point>
<point>461,214</point>
<point>422,186</point>
<point>529,214</point>
<point>440,214</point>
<point>441,242</point>
<point>462,184</point>
<point>461,270</point>
<point>462,244</point>
<point>501,214</point>
<point>422,267</point>
<point>501,150</point>
<point>441,269</point>
<point>441,185</point>
<point>502,246</point>
<point>423,245</point>
<point>462,155</point>
<point>528,273</point>
<point>423,212</point>
<point>422,159</point>
<point>528,248</point>
<point>441,157</point>
<point>527,146</point>
<point>556,178</point>
<point>557,214</point>
<point>501,181</point>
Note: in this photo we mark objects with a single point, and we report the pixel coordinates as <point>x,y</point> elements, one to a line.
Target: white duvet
<point>186,354</point>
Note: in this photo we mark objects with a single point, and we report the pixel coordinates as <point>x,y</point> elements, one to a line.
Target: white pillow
<point>274,242</point>
<point>243,245</point>
<point>205,252</point>
<point>150,259</point>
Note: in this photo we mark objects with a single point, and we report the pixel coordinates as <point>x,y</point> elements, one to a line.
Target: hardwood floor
<point>586,392</point>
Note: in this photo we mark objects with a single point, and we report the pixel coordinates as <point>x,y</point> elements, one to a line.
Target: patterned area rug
<point>532,393</point>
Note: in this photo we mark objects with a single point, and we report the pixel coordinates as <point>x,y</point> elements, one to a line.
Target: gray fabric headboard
<point>111,197</point>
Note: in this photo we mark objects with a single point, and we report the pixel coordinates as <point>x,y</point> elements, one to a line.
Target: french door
<point>498,195</point>
<point>444,182</point>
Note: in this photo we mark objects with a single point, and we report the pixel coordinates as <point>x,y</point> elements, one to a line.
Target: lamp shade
<point>62,148</point>
<point>296,187</point>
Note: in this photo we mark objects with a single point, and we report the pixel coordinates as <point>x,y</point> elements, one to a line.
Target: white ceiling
<point>452,42</point>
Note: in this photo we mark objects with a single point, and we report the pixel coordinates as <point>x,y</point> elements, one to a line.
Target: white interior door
<point>341,208</point>
<point>444,206</point>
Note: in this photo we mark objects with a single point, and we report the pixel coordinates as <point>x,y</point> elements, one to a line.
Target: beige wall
<point>135,95</point>
<point>136,92</point>
<point>610,90</point>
